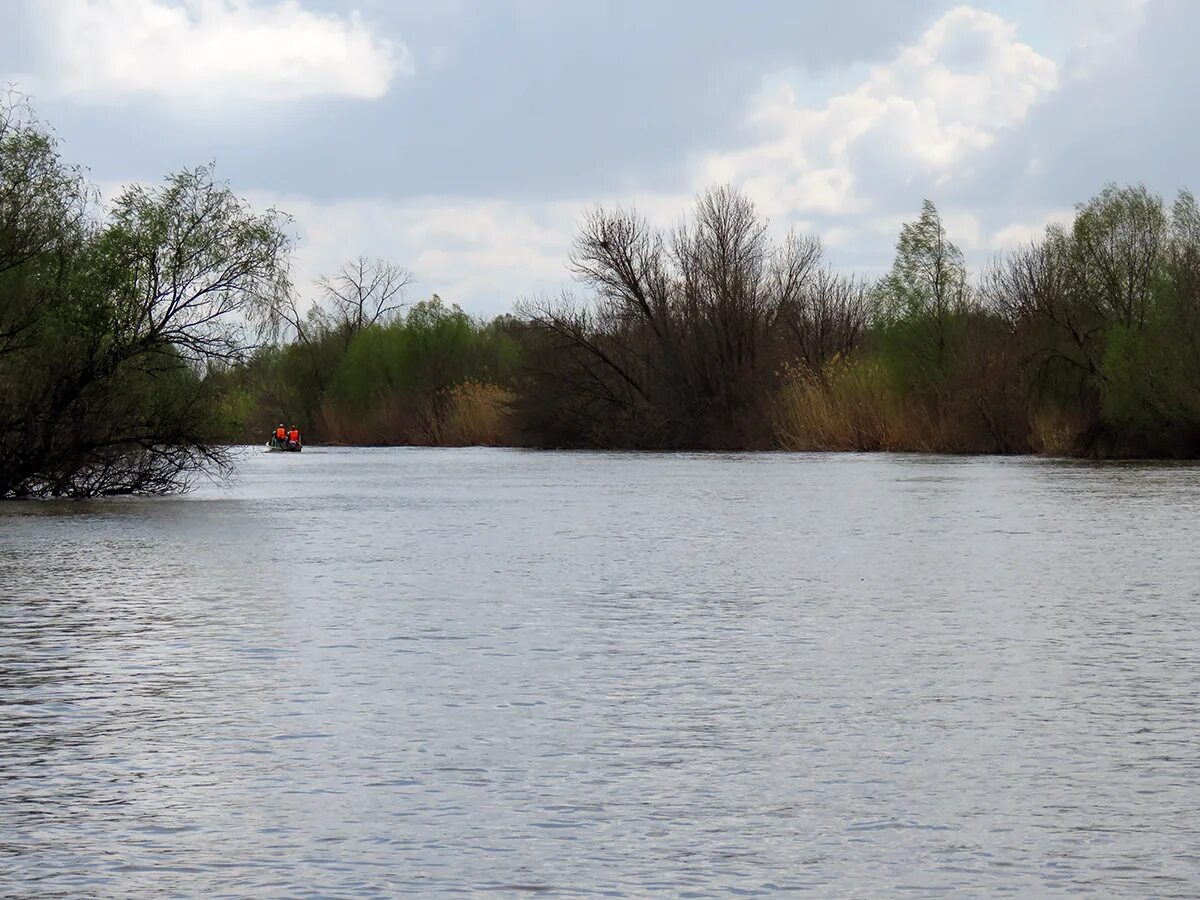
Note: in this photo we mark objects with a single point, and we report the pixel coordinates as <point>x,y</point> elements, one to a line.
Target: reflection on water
<point>360,672</point>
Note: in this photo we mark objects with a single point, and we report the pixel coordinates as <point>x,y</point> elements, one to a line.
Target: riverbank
<point>717,337</point>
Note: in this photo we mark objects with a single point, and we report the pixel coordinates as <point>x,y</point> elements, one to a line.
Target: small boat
<point>277,446</point>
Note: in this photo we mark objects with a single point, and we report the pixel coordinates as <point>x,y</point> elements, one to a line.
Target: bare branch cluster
<point>684,331</point>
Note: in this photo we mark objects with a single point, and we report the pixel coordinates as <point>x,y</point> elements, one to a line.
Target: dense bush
<point>1107,314</point>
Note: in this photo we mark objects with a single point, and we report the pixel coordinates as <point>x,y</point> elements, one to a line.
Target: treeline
<point>138,340</point>
<point>713,335</point>
<point>1084,342</point>
<point>362,367</point>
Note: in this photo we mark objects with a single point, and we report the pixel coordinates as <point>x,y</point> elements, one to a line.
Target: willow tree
<point>110,321</point>
<point>923,294</point>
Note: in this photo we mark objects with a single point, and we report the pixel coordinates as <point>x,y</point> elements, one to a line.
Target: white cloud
<point>919,117</point>
<point>854,165</point>
<point>1015,234</point>
<point>482,254</point>
<point>965,227</point>
<point>1102,32</point>
<point>215,51</point>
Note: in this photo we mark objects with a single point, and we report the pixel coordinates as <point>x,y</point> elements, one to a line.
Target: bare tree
<point>364,292</point>
<point>1037,291</point>
<point>827,316</point>
<point>679,344</point>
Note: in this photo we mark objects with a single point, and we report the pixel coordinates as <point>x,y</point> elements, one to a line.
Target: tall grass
<point>467,414</point>
<point>850,405</point>
<point>479,414</point>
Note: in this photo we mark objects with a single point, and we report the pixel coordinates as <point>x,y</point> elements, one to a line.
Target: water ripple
<point>385,672</point>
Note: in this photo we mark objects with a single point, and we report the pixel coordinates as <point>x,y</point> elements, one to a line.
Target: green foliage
<point>928,278</point>
<point>1108,313</point>
<point>920,304</point>
<point>1118,240</point>
<point>1152,385</point>
<point>385,383</point>
<point>108,323</point>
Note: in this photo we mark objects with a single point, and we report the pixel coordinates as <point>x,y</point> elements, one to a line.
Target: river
<point>355,672</point>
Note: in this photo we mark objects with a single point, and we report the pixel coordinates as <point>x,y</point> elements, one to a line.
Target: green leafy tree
<point>110,323</point>
<point>919,300</point>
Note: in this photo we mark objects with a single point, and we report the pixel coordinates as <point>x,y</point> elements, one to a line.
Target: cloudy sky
<point>463,139</point>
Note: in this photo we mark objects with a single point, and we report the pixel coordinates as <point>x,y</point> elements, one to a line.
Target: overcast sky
<point>463,139</point>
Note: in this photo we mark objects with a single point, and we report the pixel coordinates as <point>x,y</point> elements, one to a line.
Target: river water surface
<point>375,672</point>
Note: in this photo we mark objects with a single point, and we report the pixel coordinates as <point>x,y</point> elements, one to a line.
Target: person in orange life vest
<point>280,434</point>
<point>294,435</point>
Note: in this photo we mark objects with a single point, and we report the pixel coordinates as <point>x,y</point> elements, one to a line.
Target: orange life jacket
<point>280,434</point>
<point>294,435</point>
